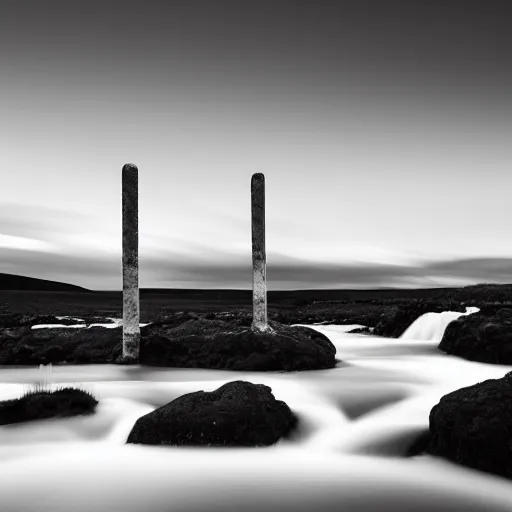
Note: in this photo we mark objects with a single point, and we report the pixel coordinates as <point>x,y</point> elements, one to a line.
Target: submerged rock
<point>361,330</point>
<point>236,414</point>
<point>472,426</point>
<point>39,404</point>
<point>481,337</point>
<point>202,343</point>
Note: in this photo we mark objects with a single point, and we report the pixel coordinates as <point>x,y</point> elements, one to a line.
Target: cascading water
<point>356,422</point>
<point>431,326</point>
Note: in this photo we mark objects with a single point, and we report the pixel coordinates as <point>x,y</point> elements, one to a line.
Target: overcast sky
<point>383,128</point>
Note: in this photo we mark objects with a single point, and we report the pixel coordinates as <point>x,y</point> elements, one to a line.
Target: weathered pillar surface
<point>131,330</point>
<point>259,263</point>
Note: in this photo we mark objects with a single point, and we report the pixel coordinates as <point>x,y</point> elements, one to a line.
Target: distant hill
<point>14,282</point>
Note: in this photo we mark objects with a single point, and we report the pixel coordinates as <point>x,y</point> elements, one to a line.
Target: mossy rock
<point>93,345</point>
<point>190,343</point>
<point>236,414</point>
<point>201,343</point>
<point>473,427</point>
<point>482,337</point>
<point>40,404</point>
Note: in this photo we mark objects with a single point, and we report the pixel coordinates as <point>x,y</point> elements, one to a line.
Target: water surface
<point>357,422</point>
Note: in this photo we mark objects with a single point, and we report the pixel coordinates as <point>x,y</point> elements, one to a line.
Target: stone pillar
<point>259,258</point>
<point>131,330</point>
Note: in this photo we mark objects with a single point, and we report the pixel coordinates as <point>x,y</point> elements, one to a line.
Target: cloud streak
<point>218,269</point>
<point>51,244</point>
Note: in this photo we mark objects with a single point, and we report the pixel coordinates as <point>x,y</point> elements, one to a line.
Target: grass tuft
<point>40,403</point>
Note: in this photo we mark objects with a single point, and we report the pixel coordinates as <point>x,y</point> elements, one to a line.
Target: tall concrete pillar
<point>259,258</point>
<point>131,330</point>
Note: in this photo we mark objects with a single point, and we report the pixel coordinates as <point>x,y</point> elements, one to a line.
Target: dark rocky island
<point>232,345</point>
<point>236,414</point>
<point>485,337</point>
<point>40,404</point>
<point>185,341</point>
<point>472,426</point>
<point>26,346</point>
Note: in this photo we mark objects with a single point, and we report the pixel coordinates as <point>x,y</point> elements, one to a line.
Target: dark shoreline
<point>365,307</point>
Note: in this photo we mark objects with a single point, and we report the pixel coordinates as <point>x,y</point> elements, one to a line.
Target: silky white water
<point>431,326</point>
<point>356,422</point>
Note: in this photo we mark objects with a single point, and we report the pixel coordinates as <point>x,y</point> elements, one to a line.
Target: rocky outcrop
<point>202,343</point>
<point>192,343</point>
<point>236,414</point>
<point>472,426</point>
<point>25,346</point>
<point>484,337</point>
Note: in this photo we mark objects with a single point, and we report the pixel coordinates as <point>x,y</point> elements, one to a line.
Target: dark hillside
<point>14,282</point>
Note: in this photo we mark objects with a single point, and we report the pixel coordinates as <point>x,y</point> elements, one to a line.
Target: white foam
<point>356,422</point>
<point>431,326</point>
<point>116,322</point>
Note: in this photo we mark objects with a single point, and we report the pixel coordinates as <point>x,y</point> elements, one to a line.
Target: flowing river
<point>356,424</point>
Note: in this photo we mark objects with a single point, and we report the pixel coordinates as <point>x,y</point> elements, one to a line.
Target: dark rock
<point>481,337</point>
<point>26,346</point>
<point>194,343</point>
<point>88,320</point>
<point>176,319</point>
<point>473,427</point>
<point>361,330</point>
<point>205,343</point>
<point>38,405</point>
<point>236,414</point>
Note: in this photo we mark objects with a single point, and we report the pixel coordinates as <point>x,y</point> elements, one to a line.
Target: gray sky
<point>383,128</point>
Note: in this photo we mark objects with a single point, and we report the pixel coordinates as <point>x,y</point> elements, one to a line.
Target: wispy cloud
<point>52,244</point>
<point>218,269</point>
<point>24,243</point>
<point>39,222</point>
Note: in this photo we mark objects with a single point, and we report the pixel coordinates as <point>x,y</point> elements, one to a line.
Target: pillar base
<point>261,327</point>
<point>121,360</point>
<point>131,347</point>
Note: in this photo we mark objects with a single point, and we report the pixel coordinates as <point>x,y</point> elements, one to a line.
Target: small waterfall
<point>431,326</point>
